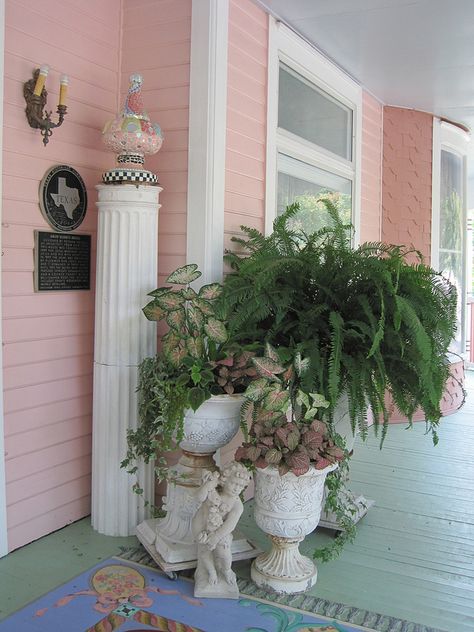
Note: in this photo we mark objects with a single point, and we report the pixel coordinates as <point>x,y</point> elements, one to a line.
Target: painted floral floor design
<point>128,597</point>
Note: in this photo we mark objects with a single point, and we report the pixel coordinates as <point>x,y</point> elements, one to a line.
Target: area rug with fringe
<point>337,612</point>
<point>124,595</point>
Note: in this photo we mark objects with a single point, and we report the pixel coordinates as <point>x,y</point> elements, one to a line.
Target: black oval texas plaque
<point>63,198</point>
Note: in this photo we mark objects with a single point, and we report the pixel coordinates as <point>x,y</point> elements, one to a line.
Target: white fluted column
<point>126,271</point>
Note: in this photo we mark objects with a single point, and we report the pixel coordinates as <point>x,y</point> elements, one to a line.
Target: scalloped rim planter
<point>287,508</point>
<point>212,426</point>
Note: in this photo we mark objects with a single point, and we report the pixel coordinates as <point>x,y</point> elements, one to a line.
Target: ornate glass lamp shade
<point>131,135</point>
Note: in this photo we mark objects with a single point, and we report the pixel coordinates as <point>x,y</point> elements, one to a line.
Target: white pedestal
<point>126,271</point>
<point>283,569</point>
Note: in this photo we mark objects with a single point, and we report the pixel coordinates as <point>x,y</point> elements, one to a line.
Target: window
<point>448,252</point>
<point>314,121</point>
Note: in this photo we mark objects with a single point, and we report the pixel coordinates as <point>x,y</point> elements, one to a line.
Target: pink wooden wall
<point>246,118</point>
<point>407,174</point>
<point>246,130</point>
<point>371,169</point>
<point>48,337</point>
<point>156,43</point>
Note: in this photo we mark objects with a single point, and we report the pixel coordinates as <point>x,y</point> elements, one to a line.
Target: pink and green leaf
<point>204,306</point>
<point>253,452</point>
<point>299,463</point>
<point>211,291</point>
<point>184,275</point>
<point>256,389</point>
<point>176,319</point>
<point>277,400</point>
<point>195,317</point>
<point>266,367</point>
<point>216,330</point>
<point>160,290</point>
<point>270,352</point>
<point>170,301</point>
<point>273,456</point>
<point>189,294</point>
<point>153,311</point>
<point>301,365</point>
<point>195,347</point>
<point>293,439</point>
<point>319,401</point>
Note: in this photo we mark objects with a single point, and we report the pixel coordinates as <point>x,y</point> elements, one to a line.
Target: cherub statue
<point>212,527</point>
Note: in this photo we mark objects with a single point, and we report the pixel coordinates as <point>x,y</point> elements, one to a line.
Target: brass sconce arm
<point>37,116</point>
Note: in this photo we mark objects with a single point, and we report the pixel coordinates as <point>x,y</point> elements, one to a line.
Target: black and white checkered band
<point>133,159</point>
<point>129,175</point>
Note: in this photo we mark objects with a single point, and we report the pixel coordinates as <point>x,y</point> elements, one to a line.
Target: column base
<point>176,556</point>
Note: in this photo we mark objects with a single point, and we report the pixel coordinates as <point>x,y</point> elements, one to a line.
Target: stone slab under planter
<point>242,549</point>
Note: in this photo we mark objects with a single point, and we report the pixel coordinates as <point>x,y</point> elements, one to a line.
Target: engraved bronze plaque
<point>62,261</point>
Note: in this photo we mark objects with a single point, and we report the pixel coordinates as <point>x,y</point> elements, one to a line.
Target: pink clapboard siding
<point>246,118</point>
<point>48,337</point>
<point>407,178</point>
<point>246,129</point>
<point>157,43</point>
<point>371,169</point>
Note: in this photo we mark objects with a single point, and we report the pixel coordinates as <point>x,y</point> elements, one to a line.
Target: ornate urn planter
<point>212,425</point>
<point>170,540</point>
<point>287,508</point>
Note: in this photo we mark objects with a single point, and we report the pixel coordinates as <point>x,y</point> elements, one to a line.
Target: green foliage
<point>197,345</point>
<point>282,428</point>
<point>198,359</point>
<point>162,401</point>
<point>285,431</point>
<point>368,321</point>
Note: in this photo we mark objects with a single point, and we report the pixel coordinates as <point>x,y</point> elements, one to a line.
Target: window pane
<point>305,184</point>
<point>451,228</point>
<point>312,114</point>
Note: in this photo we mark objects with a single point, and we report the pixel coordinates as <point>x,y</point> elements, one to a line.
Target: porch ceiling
<point>409,53</point>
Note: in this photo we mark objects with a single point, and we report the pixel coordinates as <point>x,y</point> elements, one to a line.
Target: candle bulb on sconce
<point>43,73</point>
<point>63,84</point>
<point>36,96</point>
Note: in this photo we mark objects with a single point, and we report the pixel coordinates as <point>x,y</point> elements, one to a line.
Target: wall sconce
<point>36,96</point>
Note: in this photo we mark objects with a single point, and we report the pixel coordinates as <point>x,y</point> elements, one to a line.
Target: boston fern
<point>369,321</point>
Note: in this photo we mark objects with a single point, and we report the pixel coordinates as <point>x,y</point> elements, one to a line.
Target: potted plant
<point>291,452</point>
<point>197,364</point>
<point>369,322</point>
<point>190,394</point>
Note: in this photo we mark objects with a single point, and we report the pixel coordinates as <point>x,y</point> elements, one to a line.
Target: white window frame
<point>287,47</point>
<point>455,140</point>
<point>3,500</point>
<point>207,138</point>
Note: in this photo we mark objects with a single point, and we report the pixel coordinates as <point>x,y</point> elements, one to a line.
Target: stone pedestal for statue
<point>169,540</point>
<point>126,270</point>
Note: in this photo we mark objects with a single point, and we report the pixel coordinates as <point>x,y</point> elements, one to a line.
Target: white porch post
<point>207,137</point>
<point>3,499</point>
<point>126,270</point>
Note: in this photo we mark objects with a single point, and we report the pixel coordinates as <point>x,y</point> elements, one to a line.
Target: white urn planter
<point>169,540</point>
<point>212,425</point>
<point>287,508</point>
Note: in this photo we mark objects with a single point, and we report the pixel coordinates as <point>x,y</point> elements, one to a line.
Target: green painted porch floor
<point>413,557</point>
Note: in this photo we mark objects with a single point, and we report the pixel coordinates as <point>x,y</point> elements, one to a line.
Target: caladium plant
<point>285,430</point>
<point>196,346</point>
